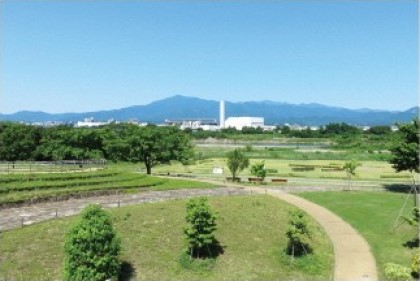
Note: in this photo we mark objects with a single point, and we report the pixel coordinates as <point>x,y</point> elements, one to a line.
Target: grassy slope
<point>373,214</point>
<point>251,230</point>
<point>20,188</point>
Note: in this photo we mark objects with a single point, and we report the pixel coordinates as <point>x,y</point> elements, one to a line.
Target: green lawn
<point>251,230</point>
<point>373,214</point>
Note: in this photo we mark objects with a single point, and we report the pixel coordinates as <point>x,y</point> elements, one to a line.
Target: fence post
<point>119,203</point>
<point>56,213</point>
<point>21,221</point>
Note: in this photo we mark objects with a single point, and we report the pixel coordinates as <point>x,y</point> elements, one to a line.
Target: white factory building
<point>211,124</point>
<point>239,122</point>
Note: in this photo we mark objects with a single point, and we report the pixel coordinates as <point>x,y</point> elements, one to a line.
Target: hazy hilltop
<point>180,107</point>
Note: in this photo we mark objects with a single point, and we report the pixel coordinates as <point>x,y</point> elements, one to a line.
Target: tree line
<point>118,142</point>
<point>327,131</point>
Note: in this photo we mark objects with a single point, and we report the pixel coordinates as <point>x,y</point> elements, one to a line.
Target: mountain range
<point>182,107</point>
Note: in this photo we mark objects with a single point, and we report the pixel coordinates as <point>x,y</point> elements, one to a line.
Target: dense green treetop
<point>405,151</point>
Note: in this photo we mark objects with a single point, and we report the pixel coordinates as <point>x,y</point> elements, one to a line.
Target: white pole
<point>222,114</point>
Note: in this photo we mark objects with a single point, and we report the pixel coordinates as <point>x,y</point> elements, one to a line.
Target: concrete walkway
<point>353,258</point>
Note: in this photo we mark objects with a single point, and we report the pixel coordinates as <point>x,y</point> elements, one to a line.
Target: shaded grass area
<point>23,188</point>
<point>374,214</point>
<point>251,231</point>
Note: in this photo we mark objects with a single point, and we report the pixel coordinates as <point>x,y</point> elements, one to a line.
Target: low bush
<point>396,272</point>
<point>299,235</point>
<point>415,265</point>
<point>92,248</point>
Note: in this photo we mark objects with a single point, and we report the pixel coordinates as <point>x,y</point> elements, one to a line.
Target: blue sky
<point>74,56</point>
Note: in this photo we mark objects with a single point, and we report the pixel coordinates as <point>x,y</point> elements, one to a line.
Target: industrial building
<point>239,122</point>
<point>212,125</point>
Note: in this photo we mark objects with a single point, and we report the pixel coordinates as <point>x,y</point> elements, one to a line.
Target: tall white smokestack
<point>222,114</point>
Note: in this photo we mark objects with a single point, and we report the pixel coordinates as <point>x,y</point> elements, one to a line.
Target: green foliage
<point>258,170</point>
<point>152,145</point>
<point>405,151</point>
<point>350,167</point>
<point>92,248</point>
<point>415,264</point>
<point>18,141</point>
<point>299,235</point>
<point>248,148</point>
<point>380,130</point>
<point>200,229</point>
<point>237,161</point>
<point>396,272</point>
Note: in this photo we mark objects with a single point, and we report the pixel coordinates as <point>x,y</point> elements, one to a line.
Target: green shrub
<point>415,265</point>
<point>396,272</point>
<point>299,235</point>
<point>201,226</point>
<point>92,248</point>
<point>258,170</point>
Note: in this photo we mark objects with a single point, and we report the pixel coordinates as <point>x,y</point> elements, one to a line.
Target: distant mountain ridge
<point>182,107</point>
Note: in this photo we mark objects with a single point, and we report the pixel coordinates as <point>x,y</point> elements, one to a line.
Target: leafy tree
<point>200,229</point>
<point>405,151</point>
<point>350,168</point>
<point>258,170</point>
<point>285,130</point>
<point>299,235</point>
<point>92,248</point>
<point>237,161</point>
<point>380,130</point>
<point>153,145</point>
<point>339,129</point>
<point>18,141</point>
<point>67,143</point>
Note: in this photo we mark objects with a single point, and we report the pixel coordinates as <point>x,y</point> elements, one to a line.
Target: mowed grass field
<point>374,214</point>
<point>20,188</point>
<point>251,230</point>
<point>322,169</point>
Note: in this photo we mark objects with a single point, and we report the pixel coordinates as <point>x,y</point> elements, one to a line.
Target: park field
<point>251,230</point>
<point>375,216</point>
<point>310,169</point>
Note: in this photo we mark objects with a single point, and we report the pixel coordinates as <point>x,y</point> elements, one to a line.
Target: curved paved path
<point>353,258</point>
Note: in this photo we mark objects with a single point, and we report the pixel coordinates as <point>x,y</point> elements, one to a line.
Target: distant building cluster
<point>237,123</point>
<point>206,124</point>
